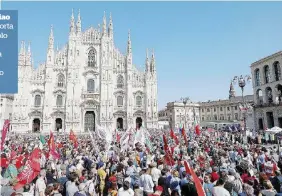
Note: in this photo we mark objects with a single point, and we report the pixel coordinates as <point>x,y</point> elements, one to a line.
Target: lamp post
<point>242,83</point>
<point>185,100</point>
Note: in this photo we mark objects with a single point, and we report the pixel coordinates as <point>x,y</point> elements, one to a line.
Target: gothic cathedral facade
<point>85,83</point>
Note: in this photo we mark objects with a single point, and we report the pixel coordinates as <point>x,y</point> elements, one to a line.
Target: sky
<point>199,46</point>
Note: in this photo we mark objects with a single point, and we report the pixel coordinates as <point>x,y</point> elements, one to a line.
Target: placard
<point>8,51</point>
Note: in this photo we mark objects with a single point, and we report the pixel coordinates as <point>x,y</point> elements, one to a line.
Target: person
<point>208,186</point>
<point>219,189</point>
<point>82,190</point>
<point>125,190</point>
<point>146,182</point>
<point>40,184</point>
<point>269,190</point>
<point>71,187</point>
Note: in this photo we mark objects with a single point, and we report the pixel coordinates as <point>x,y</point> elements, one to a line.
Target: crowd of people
<point>211,163</point>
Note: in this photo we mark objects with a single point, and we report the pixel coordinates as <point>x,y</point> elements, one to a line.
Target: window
<point>61,80</point>
<point>90,86</point>
<point>202,110</point>
<point>228,109</point>
<point>266,74</point>
<point>235,107</point>
<point>91,58</point>
<point>257,77</point>
<point>214,109</point>
<point>138,100</point>
<point>119,101</point>
<point>215,117</point>
<point>236,116</point>
<point>37,100</point>
<point>120,82</point>
<point>221,109</point>
<point>208,110</point>
<point>203,118</point>
<point>277,71</point>
<point>59,101</point>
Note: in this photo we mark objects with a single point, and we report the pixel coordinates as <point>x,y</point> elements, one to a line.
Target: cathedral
<point>86,83</point>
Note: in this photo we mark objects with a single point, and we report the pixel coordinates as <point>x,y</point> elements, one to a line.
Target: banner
<point>4,133</point>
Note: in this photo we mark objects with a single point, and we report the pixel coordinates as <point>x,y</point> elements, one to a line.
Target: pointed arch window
<point>61,80</point>
<point>37,101</point>
<point>138,101</point>
<point>120,81</point>
<point>90,86</point>
<point>257,77</point>
<point>119,101</point>
<point>277,71</point>
<point>59,101</point>
<point>266,74</point>
<point>92,58</point>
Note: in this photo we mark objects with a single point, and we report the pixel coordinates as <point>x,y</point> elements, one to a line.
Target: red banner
<point>30,171</point>
<point>4,133</point>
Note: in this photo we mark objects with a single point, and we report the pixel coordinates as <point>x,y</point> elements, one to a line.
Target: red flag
<point>52,147</point>
<point>173,136</point>
<point>30,171</point>
<point>168,155</point>
<point>198,130</point>
<point>51,142</point>
<point>73,138</point>
<point>197,181</point>
<point>4,133</point>
<point>184,135</point>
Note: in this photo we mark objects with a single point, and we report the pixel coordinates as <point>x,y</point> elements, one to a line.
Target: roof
<point>266,58</point>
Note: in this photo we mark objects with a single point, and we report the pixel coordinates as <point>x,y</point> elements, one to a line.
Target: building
<point>267,88</point>
<point>6,108</point>
<point>227,111</point>
<point>211,113</point>
<point>175,113</point>
<point>86,82</point>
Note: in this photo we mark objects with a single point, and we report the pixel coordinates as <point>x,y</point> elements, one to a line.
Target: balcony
<point>118,108</point>
<point>90,95</point>
<point>59,108</point>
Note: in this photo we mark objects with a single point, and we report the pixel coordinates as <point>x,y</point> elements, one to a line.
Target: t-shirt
<point>40,186</point>
<point>220,191</point>
<point>128,192</point>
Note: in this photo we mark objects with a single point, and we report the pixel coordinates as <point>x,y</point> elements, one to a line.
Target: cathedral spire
<point>129,50</point>
<point>22,54</point>
<point>28,55</point>
<point>147,61</point>
<point>104,24</point>
<point>72,26</point>
<point>22,50</point>
<point>231,90</point>
<point>111,27</point>
<point>51,39</point>
<point>153,65</point>
<point>78,23</point>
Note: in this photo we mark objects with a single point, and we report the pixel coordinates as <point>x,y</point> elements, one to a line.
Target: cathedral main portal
<point>89,121</point>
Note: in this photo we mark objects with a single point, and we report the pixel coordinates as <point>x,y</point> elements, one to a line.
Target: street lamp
<point>185,100</point>
<point>242,83</point>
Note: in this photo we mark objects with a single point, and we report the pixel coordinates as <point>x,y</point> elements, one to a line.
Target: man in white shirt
<point>40,184</point>
<point>146,182</point>
<point>125,190</point>
<point>155,173</point>
<point>219,190</point>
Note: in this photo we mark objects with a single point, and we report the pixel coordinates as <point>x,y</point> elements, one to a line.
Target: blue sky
<point>199,46</point>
